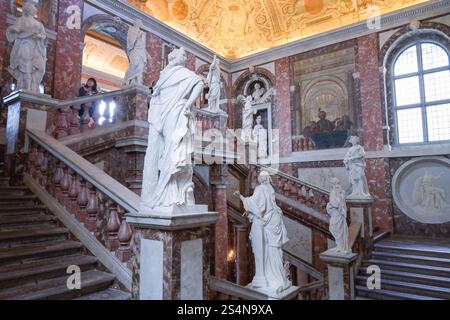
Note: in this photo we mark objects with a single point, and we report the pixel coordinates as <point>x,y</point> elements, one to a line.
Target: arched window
<point>421,80</point>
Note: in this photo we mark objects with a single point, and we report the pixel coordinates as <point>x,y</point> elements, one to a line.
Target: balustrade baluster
<point>44,169</point>
<point>113,226</point>
<point>65,184</point>
<point>85,117</point>
<point>82,201</point>
<point>73,194</point>
<point>62,123</point>
<point>74,120</point>
<point>92,209</point>
<point>57,177</point>
<point>125,235</point>
<point>101,217</point>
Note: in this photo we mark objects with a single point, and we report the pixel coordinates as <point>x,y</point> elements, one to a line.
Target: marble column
<point>339,275</point>
<point>242,254</point>
<point>372,126</point>
<point>3,42</point>
<point>283,109</point>
<point>172,255</point>
<point>69,55</point>
<point>219,195</point>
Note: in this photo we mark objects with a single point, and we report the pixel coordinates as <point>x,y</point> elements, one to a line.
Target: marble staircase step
<point>408,267</point>
<point>423,249</point>
<point>409,258</point>
<point>15,199</point>
<point>413,277</point>
<point>14,190</point>
<point>21,209</point>
<point>26,220</point>
<point>13,274</point>
<point>26,252</point>
<point>32,235</point>
<point>409,287</point>
<point>56,289</point>
<point>4,181</point>
<point>382,294</point>
<point>108,294</point>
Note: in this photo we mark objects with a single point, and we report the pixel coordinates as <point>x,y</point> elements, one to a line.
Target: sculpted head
<point>354,140</point>
<point>178,57</point>
<point>335,183</point>
<point>138,23</point>
<point>258,119</point>
<point>29,9</point>
<point>264,178</point>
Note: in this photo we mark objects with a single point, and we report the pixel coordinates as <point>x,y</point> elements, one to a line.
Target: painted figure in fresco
<point>29,52</point>
<point>324,125</point>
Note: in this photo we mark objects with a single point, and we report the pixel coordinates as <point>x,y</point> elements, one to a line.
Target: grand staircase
<point>411,269</point>
<point>35,253</point>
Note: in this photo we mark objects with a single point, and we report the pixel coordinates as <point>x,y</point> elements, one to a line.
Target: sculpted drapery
<point>29,52</point>
<point>168,169</point>
<point>213,82</point>
<point>137,54</point>
<point>337,210</point>
<point>267,217</point>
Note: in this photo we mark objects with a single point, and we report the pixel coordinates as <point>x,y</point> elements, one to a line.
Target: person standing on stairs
<point>90,88</point>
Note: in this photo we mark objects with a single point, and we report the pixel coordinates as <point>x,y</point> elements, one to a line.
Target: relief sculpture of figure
<point>213,82</point>
<point>137,54</point>
<point>355,163</point>
<point>427,195</point>
<point>337,210</point>
<point>168,168</point>
<point>29,52</point>
<point>268,235</point>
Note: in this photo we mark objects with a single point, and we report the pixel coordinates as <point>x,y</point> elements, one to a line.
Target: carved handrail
<point>86,192</point>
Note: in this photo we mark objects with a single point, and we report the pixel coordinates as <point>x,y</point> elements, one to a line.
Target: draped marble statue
<point>247,116</point>
<point>260,136</point>
<point>355,163</point>
<point>29,52</point>
<point>268,235</point>
<point>168,168</point>
<point>137,54</point>
<point>213,82</point>
<point>337,210</point>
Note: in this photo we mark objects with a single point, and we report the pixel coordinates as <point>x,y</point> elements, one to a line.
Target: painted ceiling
<point>237,28</point>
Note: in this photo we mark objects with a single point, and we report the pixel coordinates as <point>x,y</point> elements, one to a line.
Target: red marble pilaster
<point>242,255</point>
<point>368,67</point>
<point>372,127</point>
<point>190,61</point>
<point>221,231</point>
<point>3,41</point>
<point>68,54</point>
<point>154,49</point>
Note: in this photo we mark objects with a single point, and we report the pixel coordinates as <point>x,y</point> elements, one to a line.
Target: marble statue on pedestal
<point>137,54</point>
<point>268,235</point>
<point>168,168</point>
<point>29,52</point>
<point>355,163</point>
<point>213,82</point>
<point>260,136</point>
<point>247,116</point>
<point>337,210</point>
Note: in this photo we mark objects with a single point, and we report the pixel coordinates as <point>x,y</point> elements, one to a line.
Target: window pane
<point>406,62</point>
<point>407,91</point>
<point>438,119</point>
<point>437,86</point>
<point>433,56</point>
<point>410,128</point>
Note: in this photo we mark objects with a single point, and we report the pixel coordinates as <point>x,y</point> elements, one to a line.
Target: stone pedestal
<point>172,254</point>
<point>289,294</point>
<point>362,209</point>
<point>26,110</point>
<point>339,275</point>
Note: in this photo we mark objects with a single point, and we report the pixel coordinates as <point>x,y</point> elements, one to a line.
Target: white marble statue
<point>168,168</point>
<point>213,82</point>
<point>427,195</point>
<point>247,116</point>
<point>260,136</point>
<point>355,163</point>
<point>337,210</point>
<point>258,92</point>
<point>137,54</point>
<point>29,52</point>
<point>268,235</point>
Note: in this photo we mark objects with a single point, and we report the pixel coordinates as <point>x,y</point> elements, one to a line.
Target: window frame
<point>423,105</point>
